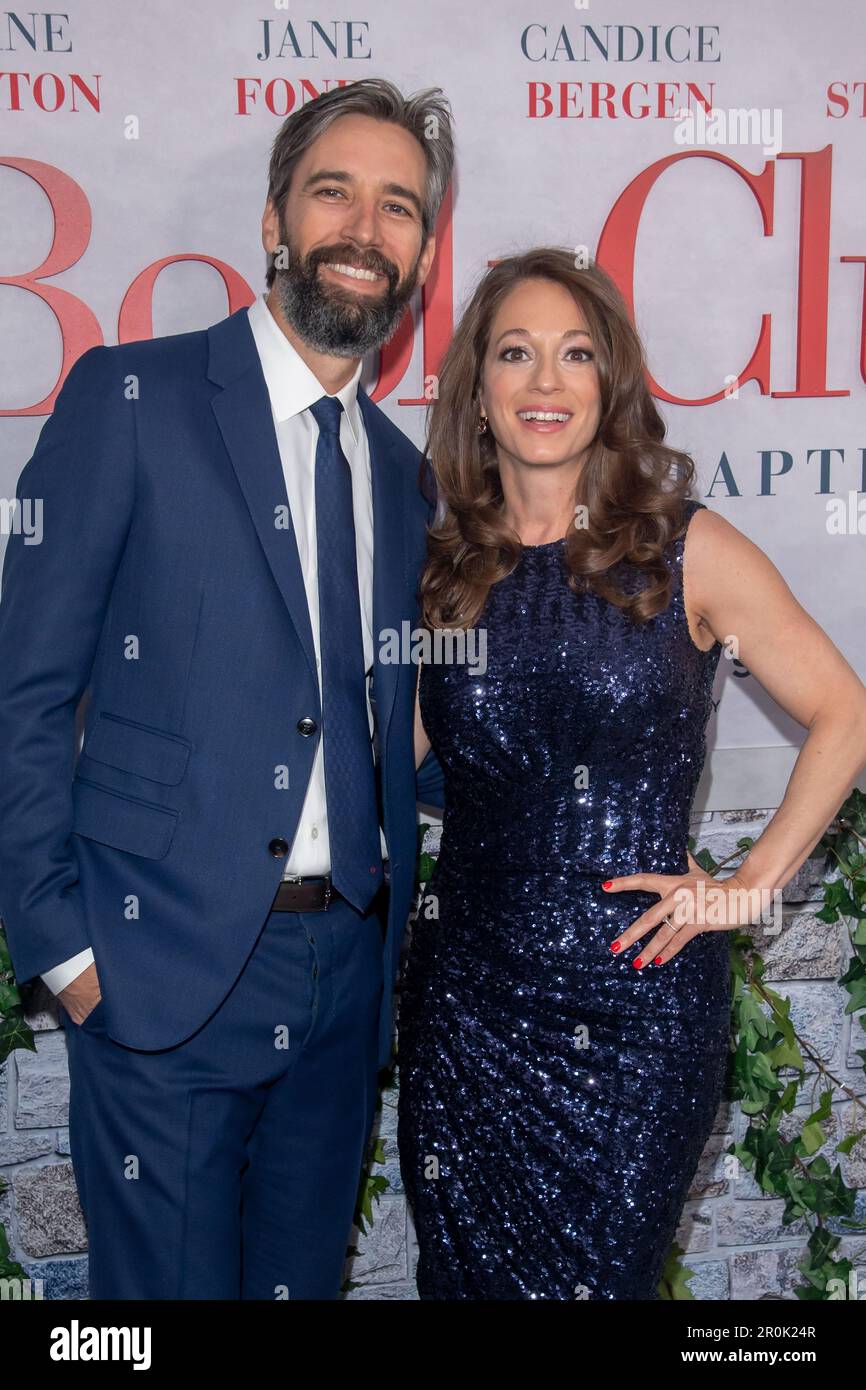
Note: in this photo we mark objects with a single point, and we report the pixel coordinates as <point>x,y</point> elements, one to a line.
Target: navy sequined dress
<point>554,1101</point>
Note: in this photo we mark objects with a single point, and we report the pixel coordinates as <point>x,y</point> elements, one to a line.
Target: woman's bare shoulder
<point>713,542</point>
<point>723,568</point>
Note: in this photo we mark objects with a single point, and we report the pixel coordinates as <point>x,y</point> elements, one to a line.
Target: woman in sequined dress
<point>564,1010</point>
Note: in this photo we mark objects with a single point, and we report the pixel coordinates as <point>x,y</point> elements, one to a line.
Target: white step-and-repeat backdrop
<point>712,158</point>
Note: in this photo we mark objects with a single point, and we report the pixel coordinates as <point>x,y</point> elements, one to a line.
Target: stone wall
<point>732,1232</point>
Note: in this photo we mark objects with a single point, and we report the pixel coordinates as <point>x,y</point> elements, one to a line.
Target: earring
<point>482,425</point>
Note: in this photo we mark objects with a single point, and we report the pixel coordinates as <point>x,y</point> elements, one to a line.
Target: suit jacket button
<point>278,848</point>
<point>307,726</point>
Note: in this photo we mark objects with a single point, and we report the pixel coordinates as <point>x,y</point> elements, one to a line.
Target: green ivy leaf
<point>672,1285</point>
<point>846,1145</point>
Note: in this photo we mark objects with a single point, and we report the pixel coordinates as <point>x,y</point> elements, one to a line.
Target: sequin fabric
<point>554,1101</point>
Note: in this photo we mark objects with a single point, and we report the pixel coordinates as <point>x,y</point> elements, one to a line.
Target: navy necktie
<point>350,782</point>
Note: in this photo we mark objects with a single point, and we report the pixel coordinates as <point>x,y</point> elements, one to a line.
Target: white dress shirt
<point>292,389</point>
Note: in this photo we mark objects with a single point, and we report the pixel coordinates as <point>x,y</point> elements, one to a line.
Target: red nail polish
<point>637,963</point>
<point>607,883</point>
<point>657,961</point>
<point>616,945</point>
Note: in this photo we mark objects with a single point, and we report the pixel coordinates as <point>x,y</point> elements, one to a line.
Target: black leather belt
<point>304,894</point>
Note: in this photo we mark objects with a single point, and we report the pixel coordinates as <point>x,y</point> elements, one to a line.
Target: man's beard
<point>333,320</point>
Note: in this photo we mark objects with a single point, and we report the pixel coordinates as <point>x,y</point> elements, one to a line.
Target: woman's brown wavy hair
<point>632,484</point>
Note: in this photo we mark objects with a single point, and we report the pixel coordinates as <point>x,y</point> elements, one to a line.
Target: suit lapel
<point>390,515</point>
<point>243,413</point>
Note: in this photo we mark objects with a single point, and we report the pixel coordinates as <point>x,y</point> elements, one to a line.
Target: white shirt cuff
<point>62,975</point>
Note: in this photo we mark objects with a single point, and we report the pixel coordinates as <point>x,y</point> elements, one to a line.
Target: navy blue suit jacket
<point>164,588</point>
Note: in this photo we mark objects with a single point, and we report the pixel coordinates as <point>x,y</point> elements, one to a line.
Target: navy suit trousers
<point>227,1166</point>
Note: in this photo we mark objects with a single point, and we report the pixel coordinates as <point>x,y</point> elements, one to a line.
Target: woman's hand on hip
<point>693,903</point>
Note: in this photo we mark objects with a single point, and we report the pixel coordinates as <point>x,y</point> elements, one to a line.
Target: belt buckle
<point>328,891</point>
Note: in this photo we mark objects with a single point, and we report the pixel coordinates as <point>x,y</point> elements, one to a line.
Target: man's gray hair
<point>426,115</point>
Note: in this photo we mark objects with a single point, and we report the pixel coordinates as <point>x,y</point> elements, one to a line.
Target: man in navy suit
<point>217,890</point>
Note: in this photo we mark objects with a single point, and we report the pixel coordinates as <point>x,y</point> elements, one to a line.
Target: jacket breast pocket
<point>124,822</point>
<point>137,748</point>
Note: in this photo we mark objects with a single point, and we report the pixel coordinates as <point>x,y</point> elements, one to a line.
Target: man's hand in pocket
<point>81,996</point>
